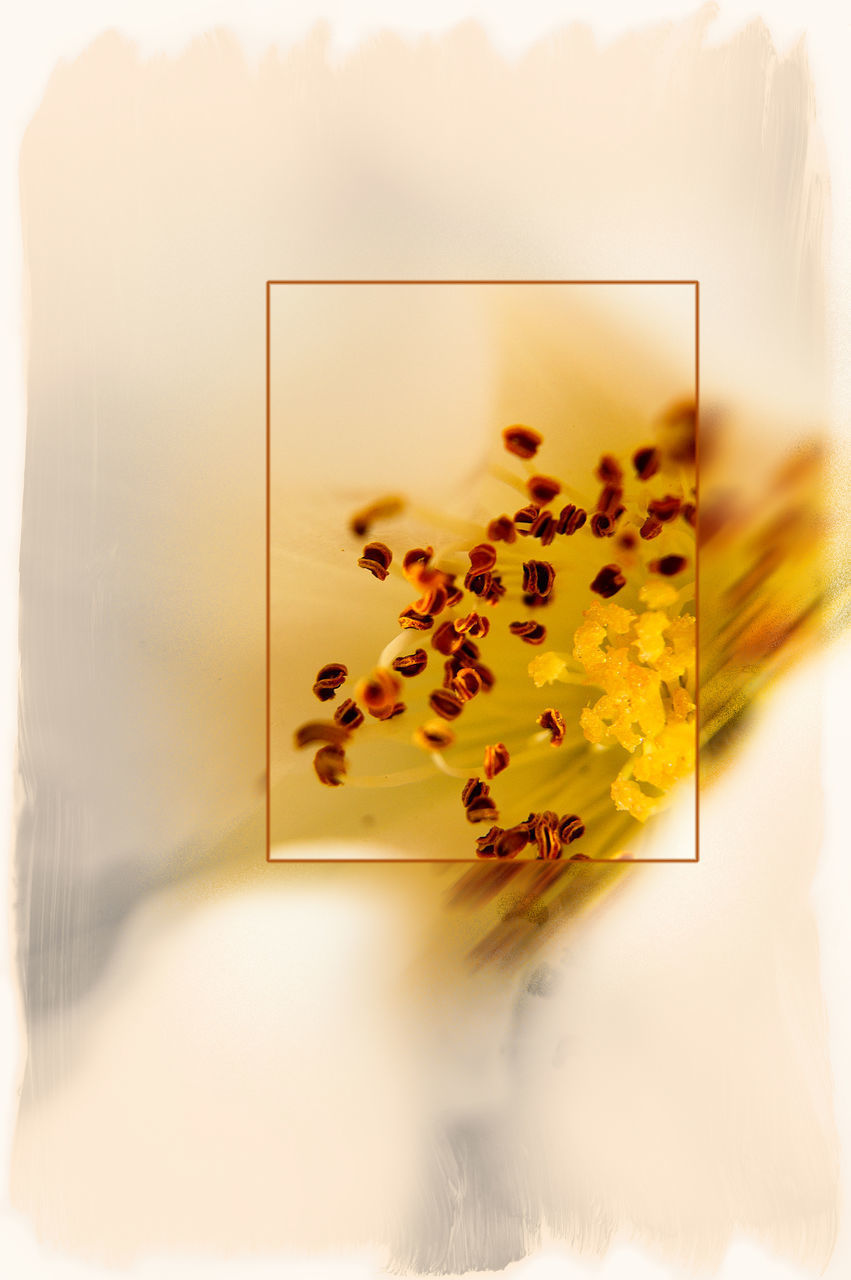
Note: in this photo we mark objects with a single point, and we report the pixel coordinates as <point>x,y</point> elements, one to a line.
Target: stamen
<point>411,664</point>
<point>553,721</point>
<point>349,714</point>
<point>530,632</point>
<point>496,759</point>
<point>376,558</point>
<point>467,683</point>
<point>329,679</point>
<point>525,518</point>
<point>609,581</point>
<point>482,557</point>
<point>522,441</point>
<point>602,525</point>
<point>570,828</point>
<point>651,528</point>
<point>544,528</point>
<point>473,625</point>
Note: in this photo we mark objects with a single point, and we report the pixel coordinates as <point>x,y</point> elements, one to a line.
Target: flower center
<point>581,740</point>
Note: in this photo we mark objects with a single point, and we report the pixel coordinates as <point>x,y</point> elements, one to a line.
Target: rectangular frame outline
<point>479,861</point>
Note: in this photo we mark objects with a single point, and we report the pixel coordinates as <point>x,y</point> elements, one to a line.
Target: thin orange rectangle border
<point>478,861</point>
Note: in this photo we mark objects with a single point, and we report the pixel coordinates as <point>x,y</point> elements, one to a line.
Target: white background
<point>43,31</point>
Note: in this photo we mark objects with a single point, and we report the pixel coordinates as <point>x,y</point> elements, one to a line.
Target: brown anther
<point>485,674</point>
<point>546,819</point>
<point>609,470</point>
<point>330,765</point>
<point>349,714</point>
<point>412,619</point>
<point>502,530</point>
<point>415,561</point>
<point>570,828</point>
<point>538,577</point>
<point>411,664</point>
<point>329,679</point>
<point>689,513</point>
<point>525,518</point>
<point>454,594</point>
<point>445,704</point>
<point>482,557</point>
<point>571,519</point>
<point>651,528</point>
<point>320,731</point>
<point>609,581</point>
<point>486,844</point>
<point>646,462</point>
<point>522,441</point>
<point>553,721</point>
<point>530,632</point>
<point>362,521</point>
<point>602,525</point>
<point>473,625</point>
<point>549,845</point>
<point>534,601</point>
<point>668,565</point>
<point>610,499</point>
<point>509,843</point>
<point>544,528</point>
<point>496,759</point>
<point>433,602</point>
<point>379,693</point>
<point>482,810</point>
<point>467,683</point>
<point>627,540</point>
<point>477,583</point>
<point>434,735</point>
<point>665,509</point>
<point>495,590</point>
<point>376,557</point>
<point>395,710</point>
<point>542,489</point>
<point>473,789</point>
<point>446,639</point>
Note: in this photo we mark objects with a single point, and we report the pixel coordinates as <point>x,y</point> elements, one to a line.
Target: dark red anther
<point>689,513</point>
<point>502,530</point>
<point>329,679</point>
<point>609,470</point>
<point>320,731</point>
<point>482,810</point>
<point>496,759</point>
<point>530,632</point>
<point>446,639</point>
<point>349,714</point>
<point>665,509</point>
<point>467,683</point>
<point>570,519</point>
<point>376,558</point>
<point>412,619</point>
<point>609,581</point>
<point>570,828</point>
<point>445,704</point>
<point>553,721</point>
<point>668,565</point>
<point>542,489</point>
<point>602,525</point>
<point>473,625</point>
<point>525,518</point>
<point>411,664</point>
<point>538,577</point>
<point>522,441</point>
<point>646,462</point>
<point>330,765</point>
<point>544,528</point>
<point>482,557</point>
<point>651,528</point>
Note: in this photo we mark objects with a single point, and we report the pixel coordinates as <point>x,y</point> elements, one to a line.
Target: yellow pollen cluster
<point>645,663</point>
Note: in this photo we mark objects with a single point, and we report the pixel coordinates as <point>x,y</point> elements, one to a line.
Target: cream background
<point>42,39</point>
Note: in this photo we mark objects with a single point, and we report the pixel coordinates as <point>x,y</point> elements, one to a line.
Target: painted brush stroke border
<point>44,31</point>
